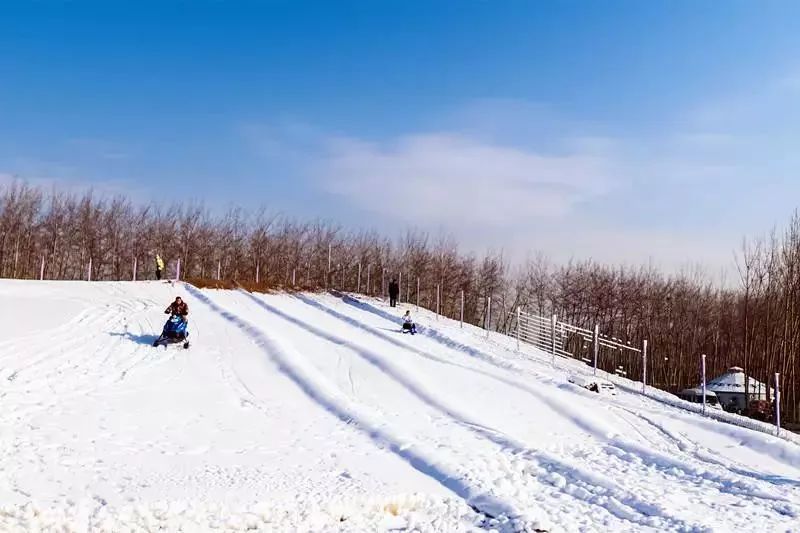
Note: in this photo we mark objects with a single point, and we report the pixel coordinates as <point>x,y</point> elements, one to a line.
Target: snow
<point>314,413</point>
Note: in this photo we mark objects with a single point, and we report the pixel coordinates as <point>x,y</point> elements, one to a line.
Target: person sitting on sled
<point>178,308</point>
<point>175,330</point>
<point>408,323</point>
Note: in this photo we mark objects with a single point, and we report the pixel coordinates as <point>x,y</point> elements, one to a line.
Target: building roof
<point>733,381</point>
<point>698,391</point>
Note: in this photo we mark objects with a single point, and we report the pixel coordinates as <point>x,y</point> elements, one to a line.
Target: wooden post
<point>644,366</point>
<point>488,315</point>
<point>461,325</point>
<point>777,403</point>
<point>596,347</point>
<point>135,265</point>
<point>703,368</point>
<point>258,273</point>
<point>41,270</point>
<point>89,271</point>
<point>438,296</point>
<point>518,317</point>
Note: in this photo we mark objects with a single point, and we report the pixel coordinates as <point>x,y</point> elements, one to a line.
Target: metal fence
<point>561,339</point>
<point>590,346</point>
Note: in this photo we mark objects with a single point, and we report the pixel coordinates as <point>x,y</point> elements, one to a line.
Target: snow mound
<point>404,513</point>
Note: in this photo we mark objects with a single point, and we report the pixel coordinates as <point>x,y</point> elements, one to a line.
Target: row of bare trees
<point>755,325</point>
<point>56,235</point>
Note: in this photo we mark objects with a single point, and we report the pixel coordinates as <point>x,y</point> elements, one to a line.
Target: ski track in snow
<point>312,412</point>
<point>736,485</point>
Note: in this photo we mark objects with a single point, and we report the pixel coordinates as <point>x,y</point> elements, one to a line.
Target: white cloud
<point>449,178</point>
<point>670,250</point>
<point>76,185</point>
<point>517,176</point>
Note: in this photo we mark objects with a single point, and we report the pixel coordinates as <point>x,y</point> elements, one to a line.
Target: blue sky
<point>621,130</point>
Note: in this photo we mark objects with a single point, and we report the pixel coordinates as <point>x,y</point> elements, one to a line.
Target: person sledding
<point>175,330</point>
<point>408,324</point>
<point>179,308</point>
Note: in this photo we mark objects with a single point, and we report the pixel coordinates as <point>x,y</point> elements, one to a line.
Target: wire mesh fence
<point>561,339</point>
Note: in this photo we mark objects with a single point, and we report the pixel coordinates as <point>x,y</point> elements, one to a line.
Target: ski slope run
<point>314,413</point>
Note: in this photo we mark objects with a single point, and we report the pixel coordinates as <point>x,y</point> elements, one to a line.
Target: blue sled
<point>175,331</point>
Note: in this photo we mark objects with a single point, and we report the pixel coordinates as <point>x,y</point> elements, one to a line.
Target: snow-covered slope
<point>310,412</point>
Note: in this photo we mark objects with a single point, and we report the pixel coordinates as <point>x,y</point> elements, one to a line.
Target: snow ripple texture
<point>315,413</point>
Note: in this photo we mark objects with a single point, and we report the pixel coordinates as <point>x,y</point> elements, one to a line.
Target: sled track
<point>593,489</point>
<point>69,355</point>
<point>618,453</point>
<point>687,448</point>
<point>316,388</point>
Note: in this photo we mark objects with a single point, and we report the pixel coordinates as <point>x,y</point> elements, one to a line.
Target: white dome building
<point>729,388</point>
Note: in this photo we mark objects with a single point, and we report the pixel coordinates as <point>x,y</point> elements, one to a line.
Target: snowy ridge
<point>312,412</point>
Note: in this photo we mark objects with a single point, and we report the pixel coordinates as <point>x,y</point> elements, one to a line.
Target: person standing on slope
<point>394,291</point>
<point>159,266</point>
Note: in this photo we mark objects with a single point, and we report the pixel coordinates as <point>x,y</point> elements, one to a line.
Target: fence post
<point>437,301</point>
<point>258,273</point>
<point>178,270</point>
<point>89,271</point>
<point>777,403</point>
<point>400,288</point>
<point>462,309</point>
<point>383,283</point>
<point>518,317</point>
<point>294,277</point>
<point>488,314</point>
<point>596,346</point>
<point>644,366</point>
<point>328,271</point>
<point>135,265</point>
<point>553,322</point>
<point>219,269</point>
<point>417,293</point>
<point>703,365</point>
<point>41,270</point>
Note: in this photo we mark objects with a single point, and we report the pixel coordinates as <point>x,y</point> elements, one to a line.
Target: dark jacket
<point>394,289</point>
<point>180,309</point>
